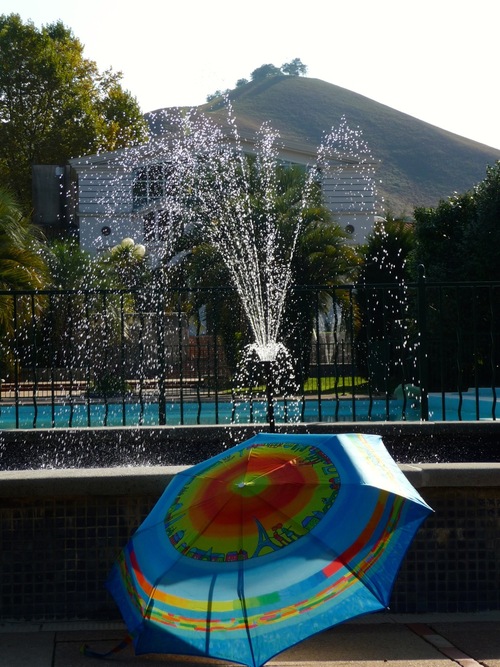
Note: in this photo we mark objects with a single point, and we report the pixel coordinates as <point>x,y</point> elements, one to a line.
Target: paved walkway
<point>435,640</point>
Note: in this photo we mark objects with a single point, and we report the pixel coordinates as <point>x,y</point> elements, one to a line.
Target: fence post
<point>422,347</point>
<point>181,356</point>
<point>159,304</point>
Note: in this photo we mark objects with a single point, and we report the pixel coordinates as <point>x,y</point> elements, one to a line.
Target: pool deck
<point>391,640</point>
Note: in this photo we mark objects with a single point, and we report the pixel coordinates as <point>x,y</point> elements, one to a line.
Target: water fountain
<point>234,200</point>
<point>202,178</point>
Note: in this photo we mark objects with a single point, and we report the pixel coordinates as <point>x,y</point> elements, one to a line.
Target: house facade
<point>115,194</point>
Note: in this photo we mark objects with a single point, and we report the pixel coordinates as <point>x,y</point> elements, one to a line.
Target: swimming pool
<point>473,405</point>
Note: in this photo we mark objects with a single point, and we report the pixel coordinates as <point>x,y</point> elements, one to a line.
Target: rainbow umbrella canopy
<point>266,544</point>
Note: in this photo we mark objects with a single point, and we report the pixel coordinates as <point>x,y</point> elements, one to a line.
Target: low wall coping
<point>151,480</point>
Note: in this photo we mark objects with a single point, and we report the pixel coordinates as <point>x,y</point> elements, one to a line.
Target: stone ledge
<point>88,481</point>
<point>427,475</point>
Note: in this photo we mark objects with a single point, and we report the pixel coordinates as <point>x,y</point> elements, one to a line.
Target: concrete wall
<point>60,531</point>
<point>407,442</point>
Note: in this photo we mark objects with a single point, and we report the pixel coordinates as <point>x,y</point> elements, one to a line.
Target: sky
<point>436,60</point>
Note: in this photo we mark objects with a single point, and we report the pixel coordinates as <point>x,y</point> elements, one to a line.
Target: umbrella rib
<point>343,557</point>
<point>209,613</point>
<point>241,596</point>
<point>274,469</point>
<point>335,555</point>
<point>207,524</point>
<point>176,514</point>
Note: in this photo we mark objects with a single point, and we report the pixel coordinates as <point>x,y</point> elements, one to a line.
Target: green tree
<point>218,93</point>
<point>482,234</point>
<point>440,238</point>
<point>386,254</point>
<point>55,104</point>
<point>265,72</point>
<point>87,314</point>
<point>125,263</point>
<point>216,302</point>
<point>323,258</point>
<point>294,68</point>
<point>382,301</point>
<point>385,261</point>
<point>459,240</point>
<point>70,267</point>
<point>22,268</point>
<point>119,116</point>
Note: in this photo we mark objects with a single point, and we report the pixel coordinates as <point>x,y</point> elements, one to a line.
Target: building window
<point>156,227</point>
<point>150,184</point>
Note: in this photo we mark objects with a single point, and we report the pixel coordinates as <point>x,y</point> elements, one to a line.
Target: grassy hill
<point>420,164</point>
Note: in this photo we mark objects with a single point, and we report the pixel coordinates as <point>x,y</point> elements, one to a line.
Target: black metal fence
<point>421,351</point>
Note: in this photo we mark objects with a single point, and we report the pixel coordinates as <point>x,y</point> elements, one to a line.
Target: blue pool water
<point>469,406</point>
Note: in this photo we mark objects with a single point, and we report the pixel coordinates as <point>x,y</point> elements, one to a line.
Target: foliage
<point>22,266</point>
<point>385,262</point>
<point>81,324</point>
<point>218,93</point>
<point>126,264</point>
<point>70,267</point>
<point>323,258</point>
<point>482,237</point>
<point>380,307</point>
<point>440,238</point>
<point>460,238</point>
<point>265,72</point>
<point>294,68</point>
<point>215,302</point>
<point>55,104</point>
<point>386,252</point>
<point>121,121</point>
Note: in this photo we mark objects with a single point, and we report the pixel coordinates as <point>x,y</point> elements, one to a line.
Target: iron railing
<point>419,351</point>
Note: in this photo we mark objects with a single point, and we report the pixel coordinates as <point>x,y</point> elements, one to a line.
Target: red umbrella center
<point>253,502</point>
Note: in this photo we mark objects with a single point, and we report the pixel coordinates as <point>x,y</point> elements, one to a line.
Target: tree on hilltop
<point>265,72</point>
<point>294,68</point>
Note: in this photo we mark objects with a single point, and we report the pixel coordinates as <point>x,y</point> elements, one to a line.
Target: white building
<point>116,193</point>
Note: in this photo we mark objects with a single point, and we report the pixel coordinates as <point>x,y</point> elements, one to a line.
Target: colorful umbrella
<point>266,544</point>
